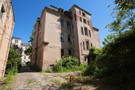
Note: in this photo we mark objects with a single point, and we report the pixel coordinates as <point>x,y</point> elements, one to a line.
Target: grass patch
<point>49,71</point>
<point>67,86</point>
<point>58,82</point>
<point>32,81</point>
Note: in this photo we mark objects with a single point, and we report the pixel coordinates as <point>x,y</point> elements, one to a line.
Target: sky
<point>27,11</point>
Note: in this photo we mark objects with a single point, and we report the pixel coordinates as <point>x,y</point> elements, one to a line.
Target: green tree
<point>29,50</point>
<point>13,62</point>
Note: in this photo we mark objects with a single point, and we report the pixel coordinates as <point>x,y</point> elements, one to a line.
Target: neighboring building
<point>61,33</point>
<point>6,28</point>
<point>24,46</point>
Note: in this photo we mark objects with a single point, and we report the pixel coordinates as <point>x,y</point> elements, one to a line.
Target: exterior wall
<point>53,31</point>
<point>47,37</point>
<point>24,57</point>
<point>13,41</point>
<point>6,29</point>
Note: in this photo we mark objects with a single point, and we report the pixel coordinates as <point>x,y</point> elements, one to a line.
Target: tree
<point>29,50</point>
<point>13,62</point>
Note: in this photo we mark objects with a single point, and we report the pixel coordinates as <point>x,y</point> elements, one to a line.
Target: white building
<point>24,46</point>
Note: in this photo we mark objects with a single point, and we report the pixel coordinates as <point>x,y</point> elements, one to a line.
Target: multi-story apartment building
<point>61,33</point>
<point>23,46</point>
<point>6,28</point>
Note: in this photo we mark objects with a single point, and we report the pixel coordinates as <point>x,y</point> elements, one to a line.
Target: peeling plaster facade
<point>59,32</point>
<point>6,28</point>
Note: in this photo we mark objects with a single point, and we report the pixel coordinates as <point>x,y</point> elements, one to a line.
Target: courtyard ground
<point>28,79</point>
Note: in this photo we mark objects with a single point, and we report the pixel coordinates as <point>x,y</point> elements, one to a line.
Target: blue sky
<point>27,11</point>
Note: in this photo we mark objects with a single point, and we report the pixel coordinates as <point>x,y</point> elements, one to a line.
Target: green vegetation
<point>67,64</point>
<point>55,81</point>
<point>116,60</point>
<point>13,62</point>
<point>29,50</point>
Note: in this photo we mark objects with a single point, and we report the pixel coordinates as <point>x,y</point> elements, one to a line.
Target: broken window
<point>88,22</point>
<point>89,33</point>
<point>62,52</point>
<point>91,45</point>
<point>69,52</point>
<point>83,14</point>
<point>2,12</point>
<point>62,23</point>
<point>62,38</point>
<point>86,31</point>
<point>80,12</point>
<point>68,25</point>
<point>84,20</point>
<point>82,30</point>
<point>83,46</point>
<point>80,19</point>
<point>69,38</point>
<point>87,45</point>
<point>51,66</point>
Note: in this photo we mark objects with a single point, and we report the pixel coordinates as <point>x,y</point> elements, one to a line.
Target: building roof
<point>95,28</point>
<point>25,44</point>
<point>16,37</point>
<point>80,9</point>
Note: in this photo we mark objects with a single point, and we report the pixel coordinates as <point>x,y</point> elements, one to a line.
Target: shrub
<point>69,63</point>
<point>13,62</point>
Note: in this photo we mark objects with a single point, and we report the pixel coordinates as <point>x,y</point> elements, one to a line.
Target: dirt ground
<point>28,79</point>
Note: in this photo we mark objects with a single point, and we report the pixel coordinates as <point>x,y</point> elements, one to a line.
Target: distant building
<point>6,28</point>
<point>61,33</point>
<point>24,46</point>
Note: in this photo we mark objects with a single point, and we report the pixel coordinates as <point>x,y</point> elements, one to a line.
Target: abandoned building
<point>6,28</point>
<point>15,41</point>
<point>61,33</point>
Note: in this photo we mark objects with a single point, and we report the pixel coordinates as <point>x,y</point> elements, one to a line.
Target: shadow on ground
<point>26,68</point>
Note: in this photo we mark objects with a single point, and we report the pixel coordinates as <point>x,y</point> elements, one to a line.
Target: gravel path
<point>28,79</point>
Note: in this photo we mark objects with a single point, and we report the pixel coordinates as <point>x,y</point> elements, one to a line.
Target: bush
<point>13,62</point>
<point>67,64</point>
<point>116,61</point>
